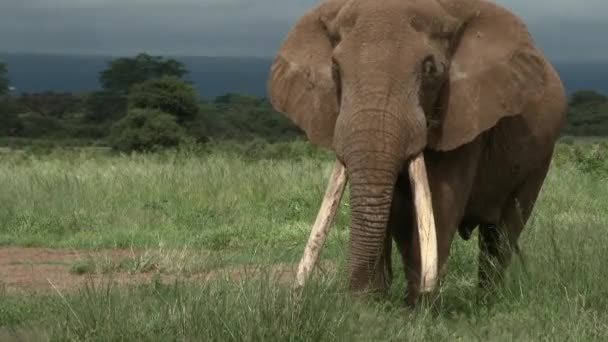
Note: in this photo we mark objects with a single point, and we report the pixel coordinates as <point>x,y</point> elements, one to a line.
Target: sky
<point>567,30</point>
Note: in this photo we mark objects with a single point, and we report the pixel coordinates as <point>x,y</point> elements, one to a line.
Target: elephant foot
<point>428,301</point>
<point>494,257</point>
<point>487,295</point>
<point>489,280</point>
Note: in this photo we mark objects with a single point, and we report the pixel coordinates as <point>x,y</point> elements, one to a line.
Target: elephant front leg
<point>449,199</point>
<point>496,246</point>
<point>388,260</point>
<point>413,266</point>
<point>401,218</point>
<point>402,227</point>
<point>494,255</point>
<point>498,242</point>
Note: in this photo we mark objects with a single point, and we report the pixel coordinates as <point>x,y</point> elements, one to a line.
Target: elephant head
<point>380,81</point>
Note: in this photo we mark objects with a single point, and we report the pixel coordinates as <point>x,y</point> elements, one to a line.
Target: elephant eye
<point>335,70</point>
<point>428,65</point>
<point>335,74</point>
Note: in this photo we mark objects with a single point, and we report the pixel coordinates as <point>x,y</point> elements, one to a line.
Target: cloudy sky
<point>565,29</point>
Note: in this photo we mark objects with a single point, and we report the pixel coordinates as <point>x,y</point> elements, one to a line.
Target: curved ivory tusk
<point>329,206</point>
<point>425,223</point>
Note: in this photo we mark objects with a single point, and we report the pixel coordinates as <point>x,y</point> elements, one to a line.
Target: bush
<point>146,130</point>
<point>587,122</point>
<point>9,118</point>
<point>104,105</point>
<point>38,126</point>
<point>87,130</point>
<point>592,159</point>
<point>50,103</point>
<point>168,94</point>
<point>589,157</point>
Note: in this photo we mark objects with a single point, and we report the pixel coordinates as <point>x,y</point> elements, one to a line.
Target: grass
<point>258,212</point>
<point>213,202</point>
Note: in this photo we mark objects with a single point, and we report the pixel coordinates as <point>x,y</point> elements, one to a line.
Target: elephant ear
<point>495,72</point>
<point>301,84</point>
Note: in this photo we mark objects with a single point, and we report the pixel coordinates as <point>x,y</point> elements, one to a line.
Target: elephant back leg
<point>498,241</point>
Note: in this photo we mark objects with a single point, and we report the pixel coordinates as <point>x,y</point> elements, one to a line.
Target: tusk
<point>425,222</point>
<point>329,206</point>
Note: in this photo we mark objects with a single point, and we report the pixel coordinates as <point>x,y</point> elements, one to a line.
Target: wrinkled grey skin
<point>461,81</point>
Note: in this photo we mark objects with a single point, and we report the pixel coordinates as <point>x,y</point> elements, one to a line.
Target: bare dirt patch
<point>45,269</point>
<point>30,269</point>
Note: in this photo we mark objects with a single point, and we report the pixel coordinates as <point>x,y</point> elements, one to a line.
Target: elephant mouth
<point>425,222</point>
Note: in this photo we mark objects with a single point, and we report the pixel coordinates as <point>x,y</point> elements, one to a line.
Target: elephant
<point>459,82</point>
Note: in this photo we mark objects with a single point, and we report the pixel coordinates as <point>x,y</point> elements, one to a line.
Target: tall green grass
<point>213,201</point>
<point>236,205</point>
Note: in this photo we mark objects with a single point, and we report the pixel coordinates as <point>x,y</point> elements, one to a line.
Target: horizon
<point>207,27</point>
<point>108,55</point>
<point>214,75</point>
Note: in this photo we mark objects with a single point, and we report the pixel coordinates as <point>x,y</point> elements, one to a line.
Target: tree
<point>168,94</point>
<point>146,130</point>
<point>238,99</point>
<point>50,103</point>
<point>3,80</point>
<point>123,73</point>
<point>585,97</point>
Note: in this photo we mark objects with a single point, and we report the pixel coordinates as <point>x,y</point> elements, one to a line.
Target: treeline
<point>145,104</point>
<point>587,114</point>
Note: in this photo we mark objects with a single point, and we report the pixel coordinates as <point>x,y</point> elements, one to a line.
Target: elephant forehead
<point>390,20</point>
<point>390,11</point>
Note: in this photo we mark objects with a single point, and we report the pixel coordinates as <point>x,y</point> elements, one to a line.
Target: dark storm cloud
<point>241,27</point>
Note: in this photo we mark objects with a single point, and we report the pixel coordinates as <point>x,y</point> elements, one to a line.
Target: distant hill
<point>213,76</point>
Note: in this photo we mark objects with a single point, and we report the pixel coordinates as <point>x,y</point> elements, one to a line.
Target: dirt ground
<point>41,269</point>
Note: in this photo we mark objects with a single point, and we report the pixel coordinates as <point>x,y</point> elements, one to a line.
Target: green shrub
<point>589,157</point>
<point>592,159</point>
<point>50,103</point>
<point>9,117</point>
<point>38,126</point>
<point>587,115</point>
<point>146,130</point>
<point>168,94</point>
<point>104,105</point>
<point>88,130</point>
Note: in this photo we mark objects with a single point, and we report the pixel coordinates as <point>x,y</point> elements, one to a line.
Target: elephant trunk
<point>370,202</point>
<point>374,146</point>
<point>370,144</point>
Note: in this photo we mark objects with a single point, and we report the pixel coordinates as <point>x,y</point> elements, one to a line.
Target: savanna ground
<point>201,245</point>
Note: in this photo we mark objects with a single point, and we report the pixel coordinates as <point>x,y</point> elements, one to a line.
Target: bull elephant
<point>460,83</point>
